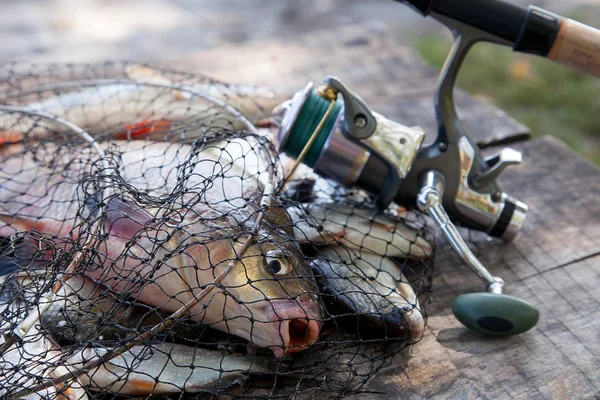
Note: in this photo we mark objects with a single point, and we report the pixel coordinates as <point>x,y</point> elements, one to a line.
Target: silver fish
<point>370,293</point>
<point>22,365</point>
<point>326,222</point>
<point>169,368</point>
<point>254,102</point>
<point>85,312</point>
<point>152,369</point>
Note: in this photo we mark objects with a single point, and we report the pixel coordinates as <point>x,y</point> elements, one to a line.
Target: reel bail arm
<point>359,122</point>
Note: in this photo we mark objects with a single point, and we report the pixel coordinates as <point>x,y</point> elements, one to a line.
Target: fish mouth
<point>297,324</point>
<point>410,316</point>
<point>416,324</point>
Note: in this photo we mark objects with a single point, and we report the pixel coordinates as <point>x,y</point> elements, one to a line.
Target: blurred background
<point>547,98</point>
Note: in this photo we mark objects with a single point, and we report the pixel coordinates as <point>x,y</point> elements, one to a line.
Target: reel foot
<point>495,314</point>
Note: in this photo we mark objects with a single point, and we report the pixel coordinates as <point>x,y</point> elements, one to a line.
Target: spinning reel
<point>449,179</point>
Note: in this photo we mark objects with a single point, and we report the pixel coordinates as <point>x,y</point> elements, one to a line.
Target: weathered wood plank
<point>554,263</point>
<point>375,63</point>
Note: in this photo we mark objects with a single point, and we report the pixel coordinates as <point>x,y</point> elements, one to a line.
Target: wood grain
<point>577,46</point>
<point>554,263</point>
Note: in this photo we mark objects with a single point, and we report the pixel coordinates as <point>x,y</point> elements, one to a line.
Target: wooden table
<point>554,263</point>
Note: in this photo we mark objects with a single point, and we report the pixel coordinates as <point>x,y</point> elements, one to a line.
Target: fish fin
<point>8,264</point>
<point>8,138</point>
<point>143,129</point>
<point>278,217</point>
<point>125,218</point>
<point>266,123</point>
<point>9,290</point>
<point>301,190</point>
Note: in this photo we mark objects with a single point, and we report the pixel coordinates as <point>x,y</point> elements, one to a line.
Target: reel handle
<point>492,313</point>
<point>429,201</point>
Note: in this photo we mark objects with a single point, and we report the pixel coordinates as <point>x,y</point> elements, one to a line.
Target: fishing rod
<point>449,179</point>
<point>530,29</point>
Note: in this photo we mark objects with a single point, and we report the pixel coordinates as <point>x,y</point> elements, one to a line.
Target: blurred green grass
<point>546,97</point>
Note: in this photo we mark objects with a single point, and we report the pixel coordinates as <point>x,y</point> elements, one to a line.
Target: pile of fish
<point>175,180</point>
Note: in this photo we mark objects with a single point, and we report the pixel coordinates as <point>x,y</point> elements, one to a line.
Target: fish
<point>355,247</point>
<point>368,293</point>
<point>149,369</point>
<point>360,227</point>
<point>255,102</point>
<point>168,368</point>
<point>164,256</point>
<point>327,213</point>
<point>148,106</point>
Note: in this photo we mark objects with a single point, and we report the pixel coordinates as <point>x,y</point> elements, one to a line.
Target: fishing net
<point>144,219</point>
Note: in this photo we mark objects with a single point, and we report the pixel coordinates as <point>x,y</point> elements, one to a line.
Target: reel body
<point>449,180</point>
<point>359,147</point>
<point>354,147</point>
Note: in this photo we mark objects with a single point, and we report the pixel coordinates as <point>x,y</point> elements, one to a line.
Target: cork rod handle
<point>577,46</point>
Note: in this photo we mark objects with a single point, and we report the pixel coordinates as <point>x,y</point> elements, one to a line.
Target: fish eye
<point>276,265</point>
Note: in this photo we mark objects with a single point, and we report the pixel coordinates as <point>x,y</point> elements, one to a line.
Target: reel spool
<point>305,111</point>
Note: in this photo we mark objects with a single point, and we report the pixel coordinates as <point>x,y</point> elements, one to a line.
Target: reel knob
<point>495,314</point>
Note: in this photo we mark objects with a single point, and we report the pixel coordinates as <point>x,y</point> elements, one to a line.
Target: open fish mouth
<point>294,324</point>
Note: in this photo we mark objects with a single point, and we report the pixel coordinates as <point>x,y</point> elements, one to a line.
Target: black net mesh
<point>137,220</point>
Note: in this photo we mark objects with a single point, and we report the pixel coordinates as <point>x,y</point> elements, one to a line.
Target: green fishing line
<point>313,110</point>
